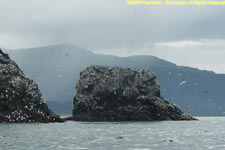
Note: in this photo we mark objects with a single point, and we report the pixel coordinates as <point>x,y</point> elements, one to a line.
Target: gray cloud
<point>105,25</point>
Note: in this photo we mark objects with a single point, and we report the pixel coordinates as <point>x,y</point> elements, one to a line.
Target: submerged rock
<point>20,97</point>
<point>121,94</point>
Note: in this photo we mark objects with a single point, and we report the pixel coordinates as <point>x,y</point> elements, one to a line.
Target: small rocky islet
<point>121,94</point>
<point>102,94</point>
<point>20,98</point>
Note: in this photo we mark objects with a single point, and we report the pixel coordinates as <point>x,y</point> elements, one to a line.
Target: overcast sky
<point>186,35</point>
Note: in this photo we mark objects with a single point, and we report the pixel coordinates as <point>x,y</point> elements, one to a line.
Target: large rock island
<point>20,97</point>
<point>121,94</point>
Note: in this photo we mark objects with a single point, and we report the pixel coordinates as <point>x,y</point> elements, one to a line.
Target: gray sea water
<point>207,133</point>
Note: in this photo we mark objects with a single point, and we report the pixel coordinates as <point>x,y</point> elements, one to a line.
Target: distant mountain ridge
<point>56,70</point>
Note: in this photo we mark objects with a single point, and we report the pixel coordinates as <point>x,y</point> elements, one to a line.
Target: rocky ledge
<point>20,97</point>
<point>121,94</point>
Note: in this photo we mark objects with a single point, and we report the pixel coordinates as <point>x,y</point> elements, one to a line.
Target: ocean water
<point>207,133</point>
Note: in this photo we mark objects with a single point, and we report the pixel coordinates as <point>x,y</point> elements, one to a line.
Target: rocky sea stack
<point>121,94</point>
<point>20,97</point>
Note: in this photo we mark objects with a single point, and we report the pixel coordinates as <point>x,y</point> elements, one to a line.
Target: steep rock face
<point>121,94</point>
<point>20,97</point>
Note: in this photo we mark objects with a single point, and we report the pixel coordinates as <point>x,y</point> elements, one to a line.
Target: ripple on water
<point>208,133</point>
